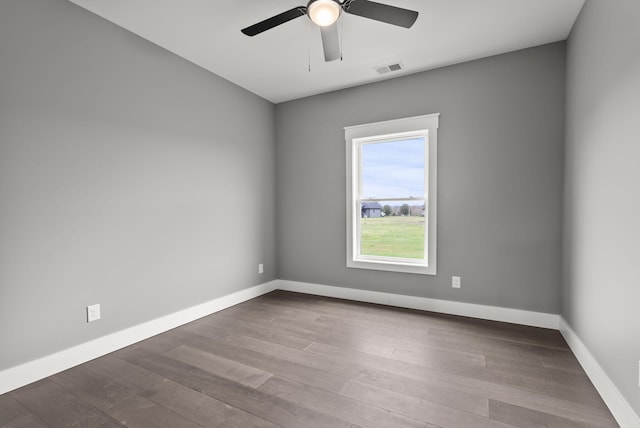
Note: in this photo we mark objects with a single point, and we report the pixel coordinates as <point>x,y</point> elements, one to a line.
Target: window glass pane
<point>393,169</point>
<point>392,229</point>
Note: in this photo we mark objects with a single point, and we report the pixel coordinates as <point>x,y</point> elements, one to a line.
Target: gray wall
<point>601,289</point>
<point>128,177</point>
<point>500,166</point>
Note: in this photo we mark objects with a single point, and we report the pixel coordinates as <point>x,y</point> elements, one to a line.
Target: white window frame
<point>425,126</point>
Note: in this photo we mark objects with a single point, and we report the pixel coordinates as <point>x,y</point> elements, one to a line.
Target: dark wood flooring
<point>294,360</point>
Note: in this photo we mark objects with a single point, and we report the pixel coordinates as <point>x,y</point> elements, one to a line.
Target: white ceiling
<point>275,64</point>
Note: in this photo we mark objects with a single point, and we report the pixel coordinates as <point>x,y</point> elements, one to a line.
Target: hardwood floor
<point>293,360</point>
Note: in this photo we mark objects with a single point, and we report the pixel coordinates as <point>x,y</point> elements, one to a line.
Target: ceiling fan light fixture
<point>323,12</point>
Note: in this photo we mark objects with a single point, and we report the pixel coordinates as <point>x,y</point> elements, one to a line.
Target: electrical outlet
<point>93,312</point>
<point>260,268</point>
<point>455,282</point>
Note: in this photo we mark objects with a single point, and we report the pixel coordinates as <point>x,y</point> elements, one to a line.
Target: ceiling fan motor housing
<point>324,12</point>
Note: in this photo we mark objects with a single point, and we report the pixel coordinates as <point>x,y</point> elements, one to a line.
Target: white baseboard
<point>29,372</point>
<point>619,407</point>
<point>494,313</point>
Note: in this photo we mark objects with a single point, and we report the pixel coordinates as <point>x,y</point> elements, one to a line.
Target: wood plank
<point>220,366</point>
<point>216,331</point>
<point>428,391</point>
<point>438,358</point>
<point>265,406</point>
<point>491,346</point>
<point>351,410</point>
<point>265,312</point>
<point>337,366</point>
<point>316,361</point>
<point>193,405</point>
<point>437,414</point>
<point>547,388</point>
<point>549,374</point>
<point>340,335</point>
<point>570,364</point>
<point>305,332</point>
<point>99,391</point>
<point>507,394</point>
<point>387,333</point>
<point>10,409</point>
<point>252,327</point>
<point>538,336</point>
<point>416,319</point>
<point>239,323</point>
<point>526,418</point>
<point>139,412</point>
<point>26,421</point>
<point>204,410</point>
<point>287,368</point>
<point>117,401</point>
<point>128,375</point>
<point>60,409</point>
<point>550,387</point>
<point>385,327</point>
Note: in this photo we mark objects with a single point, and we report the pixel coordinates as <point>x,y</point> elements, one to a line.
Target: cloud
<point>393,169</point>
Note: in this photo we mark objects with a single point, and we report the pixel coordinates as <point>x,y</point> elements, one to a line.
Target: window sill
<point>392,266</point>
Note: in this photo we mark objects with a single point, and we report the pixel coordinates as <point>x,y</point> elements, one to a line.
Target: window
<point>391,195</point>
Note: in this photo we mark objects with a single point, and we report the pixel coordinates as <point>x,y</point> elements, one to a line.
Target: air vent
<point>389,68</point>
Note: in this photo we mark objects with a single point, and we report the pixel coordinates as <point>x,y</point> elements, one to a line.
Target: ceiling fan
<point>325,13</point>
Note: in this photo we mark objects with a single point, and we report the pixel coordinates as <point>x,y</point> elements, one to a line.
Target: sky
<point>393,169</point>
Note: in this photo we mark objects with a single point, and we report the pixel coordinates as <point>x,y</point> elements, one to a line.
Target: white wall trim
<point>619,407</point>
<point>494,313</point>
<point>29,372</point>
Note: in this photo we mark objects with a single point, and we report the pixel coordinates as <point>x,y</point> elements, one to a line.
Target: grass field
<point>392,237</point>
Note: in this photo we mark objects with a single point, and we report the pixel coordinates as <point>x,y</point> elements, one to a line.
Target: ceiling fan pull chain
<point>340,37</point>
<point>309,45</point>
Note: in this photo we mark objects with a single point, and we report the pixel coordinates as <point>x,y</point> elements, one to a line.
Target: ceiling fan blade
<point>274,21</point>
<point>382,12</point>
<point>330,42</point>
